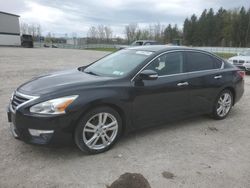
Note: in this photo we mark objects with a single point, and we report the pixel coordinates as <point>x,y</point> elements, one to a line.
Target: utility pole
<point>248,27</point>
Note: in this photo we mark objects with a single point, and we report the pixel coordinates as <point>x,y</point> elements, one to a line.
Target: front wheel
<point>223,104</point>
<point>98,130</point>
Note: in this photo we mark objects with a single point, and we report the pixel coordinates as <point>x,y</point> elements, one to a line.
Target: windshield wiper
<point>90,72</point>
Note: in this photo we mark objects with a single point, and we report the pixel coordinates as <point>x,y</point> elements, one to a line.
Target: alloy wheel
<point>100,131</point>
<point>224,104</point>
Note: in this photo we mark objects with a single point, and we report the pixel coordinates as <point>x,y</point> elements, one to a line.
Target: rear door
<point>205,78</point>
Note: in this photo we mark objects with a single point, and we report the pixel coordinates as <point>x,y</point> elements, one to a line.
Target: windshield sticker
<point>118,73</point>
<point>144,53</point>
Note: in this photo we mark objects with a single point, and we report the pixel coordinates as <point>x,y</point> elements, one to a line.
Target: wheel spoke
<point>107,137</point>
<point>94,142</point>
<point>224,111</point>
<point>89,130</point>
<point>90,125</point>
<point>104,141</point>
<point>99,118</point>
<point>110,126</point>
<point>91,140</point>
<point>105,115</point>
<point>219,109</point>
<point>220,101</point>
<point>226,97</point>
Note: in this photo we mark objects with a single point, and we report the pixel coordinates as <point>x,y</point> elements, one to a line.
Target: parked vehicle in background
<point>127,90</point>
<point>144,42</point>
<point>27,41</point>
<point>242,60</point>
<point>140,43</point>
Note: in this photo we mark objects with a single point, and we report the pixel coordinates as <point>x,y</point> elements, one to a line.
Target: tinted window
<point>198,61</point>
<point>217,63</point>
<point>167,64</point>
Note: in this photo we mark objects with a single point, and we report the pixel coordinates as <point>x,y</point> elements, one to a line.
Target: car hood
<point>60,80</point>
<point>245,58</point>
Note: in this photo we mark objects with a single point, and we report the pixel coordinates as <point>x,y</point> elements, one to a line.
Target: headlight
<point>54,106</point>
<point>248,61</point>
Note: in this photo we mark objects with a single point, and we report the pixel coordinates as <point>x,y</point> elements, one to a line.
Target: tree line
<point>158,32</point>
<point>223,28</point>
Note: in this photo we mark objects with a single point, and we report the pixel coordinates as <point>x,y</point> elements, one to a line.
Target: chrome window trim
<point>183,50</point>
<point>29,97</point>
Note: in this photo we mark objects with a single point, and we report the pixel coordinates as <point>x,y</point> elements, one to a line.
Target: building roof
<point>9,14</point>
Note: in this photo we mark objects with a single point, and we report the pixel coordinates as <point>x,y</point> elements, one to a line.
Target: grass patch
<point>103,49</point>
<point>225,55</point>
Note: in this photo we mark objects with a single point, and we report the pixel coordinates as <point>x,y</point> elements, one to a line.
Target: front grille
<point>235,61</point>
<point>18,100</point>
<point>241,61</point>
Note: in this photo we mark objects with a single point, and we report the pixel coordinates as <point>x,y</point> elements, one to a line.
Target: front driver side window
<point>167,64</point>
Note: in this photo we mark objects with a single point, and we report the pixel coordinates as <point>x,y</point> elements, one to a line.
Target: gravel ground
<point>198,152</point>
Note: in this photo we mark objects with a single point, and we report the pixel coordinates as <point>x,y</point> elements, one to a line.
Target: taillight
<point>241,73</point>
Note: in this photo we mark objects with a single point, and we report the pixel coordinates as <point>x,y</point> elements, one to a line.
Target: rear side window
<point>198,61</point>
<point>217,63</point>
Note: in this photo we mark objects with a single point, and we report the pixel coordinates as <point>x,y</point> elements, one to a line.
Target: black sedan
<point>124,91</point>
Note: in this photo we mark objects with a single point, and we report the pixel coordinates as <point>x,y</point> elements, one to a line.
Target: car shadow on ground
<point>69,150</point>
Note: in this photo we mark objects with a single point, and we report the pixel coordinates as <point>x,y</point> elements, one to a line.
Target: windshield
<point>118,64</point>
<point>245,53</point>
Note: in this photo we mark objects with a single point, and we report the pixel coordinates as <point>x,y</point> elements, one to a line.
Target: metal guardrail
<point>71,46</point>
<point>231,50</point>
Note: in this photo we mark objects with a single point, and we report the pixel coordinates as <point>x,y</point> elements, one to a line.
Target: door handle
<point>218,77</point>
<point>183,84</point>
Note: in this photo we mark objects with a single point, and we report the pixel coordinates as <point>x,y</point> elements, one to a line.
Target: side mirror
<point>148,75</point>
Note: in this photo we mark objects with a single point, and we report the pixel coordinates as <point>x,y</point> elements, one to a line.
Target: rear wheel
<point>98,130</point>
<point>223,104</point>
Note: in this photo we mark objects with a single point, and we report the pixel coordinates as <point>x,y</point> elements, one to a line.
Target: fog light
<point>35,132</point>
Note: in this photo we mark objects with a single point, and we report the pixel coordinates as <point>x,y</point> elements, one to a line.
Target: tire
<point>98,130</point>
<point>223,105</point>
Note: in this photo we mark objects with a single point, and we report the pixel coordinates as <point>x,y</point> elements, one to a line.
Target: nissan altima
<point>127,90</point>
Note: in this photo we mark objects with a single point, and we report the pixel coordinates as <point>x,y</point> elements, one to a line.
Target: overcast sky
<point>76,16</point>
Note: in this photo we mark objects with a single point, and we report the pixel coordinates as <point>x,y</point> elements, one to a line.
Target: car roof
<point>157,48</point>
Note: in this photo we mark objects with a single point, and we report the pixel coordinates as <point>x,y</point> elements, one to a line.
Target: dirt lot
<point>198,152</point>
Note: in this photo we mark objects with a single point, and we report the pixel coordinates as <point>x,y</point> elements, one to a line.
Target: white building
<point>9,29</point>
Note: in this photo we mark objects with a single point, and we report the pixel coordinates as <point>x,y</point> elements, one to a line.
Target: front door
<point>165,98</point>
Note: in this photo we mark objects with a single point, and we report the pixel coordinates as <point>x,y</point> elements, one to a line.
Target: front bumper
<point>243,67</point>
<point>41,129</point>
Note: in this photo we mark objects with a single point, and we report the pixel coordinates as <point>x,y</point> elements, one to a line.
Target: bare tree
<point>38,30</point>
<point>158,32</point>
<point>24,28</point>
<point>92,33</point>
<point>130,32</point>
<point>31,29</point>
<point>108,33</point>
<point>101,32</point>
